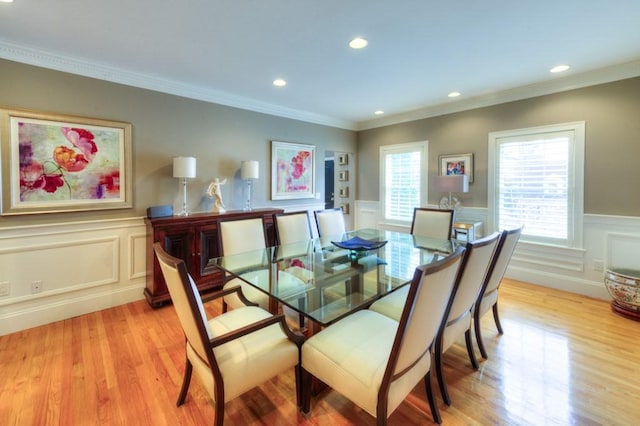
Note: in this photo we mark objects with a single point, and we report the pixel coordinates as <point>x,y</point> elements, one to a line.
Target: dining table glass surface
<point>325,282</point>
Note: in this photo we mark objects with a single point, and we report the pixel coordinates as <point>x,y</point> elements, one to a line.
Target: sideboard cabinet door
<point>193,239</point>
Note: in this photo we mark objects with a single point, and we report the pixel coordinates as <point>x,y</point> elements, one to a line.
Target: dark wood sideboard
<point>194,239</point>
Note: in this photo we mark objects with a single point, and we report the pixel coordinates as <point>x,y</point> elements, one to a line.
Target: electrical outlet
<point>598,265</point>
<point>4,289</point>
<point>36,287</point>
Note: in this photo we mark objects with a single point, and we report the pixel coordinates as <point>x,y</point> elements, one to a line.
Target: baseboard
<point>35,314</point>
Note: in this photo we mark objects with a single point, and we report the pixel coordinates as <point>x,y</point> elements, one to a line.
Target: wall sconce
<point>249,172</point>
<point>183,168</point>
<point>451,184</point>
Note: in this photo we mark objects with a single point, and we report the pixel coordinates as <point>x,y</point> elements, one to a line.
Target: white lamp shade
<point>249,169</point>
<point>184,167</point>
<point>452,183</point>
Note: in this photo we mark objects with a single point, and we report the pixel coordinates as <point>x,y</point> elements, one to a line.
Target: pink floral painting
<point>63,166</point>
<point>293,172</point>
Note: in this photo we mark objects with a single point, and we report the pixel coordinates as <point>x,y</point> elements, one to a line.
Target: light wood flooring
<point>564,359</point>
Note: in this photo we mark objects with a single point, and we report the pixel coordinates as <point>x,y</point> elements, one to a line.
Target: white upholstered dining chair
<point>488,298</point>
<point>242,236</point>
<point>475,264</point>
<point>432,223</point>
<point>376,361</point>
<point>230,353</point>
<point>292,227</point>
<point>330,223</point>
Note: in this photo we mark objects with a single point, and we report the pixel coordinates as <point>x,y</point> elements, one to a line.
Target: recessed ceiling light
<point>279,82</point>
<point>358,43</point>
<point>6,1</point>
<point>379,112</point>
<point>453,94</point>
<point>559,68</point>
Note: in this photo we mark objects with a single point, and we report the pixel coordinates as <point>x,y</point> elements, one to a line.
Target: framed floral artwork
<point>292,170</point>
<point>459,164</point>
<point>58,163</point>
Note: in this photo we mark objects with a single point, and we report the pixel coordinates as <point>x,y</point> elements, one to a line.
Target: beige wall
<point>612,116</point>
<point>165,126</point>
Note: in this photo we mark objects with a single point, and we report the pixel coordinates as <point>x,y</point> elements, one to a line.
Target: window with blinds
<point>402,180</point>
<point>536,179</point>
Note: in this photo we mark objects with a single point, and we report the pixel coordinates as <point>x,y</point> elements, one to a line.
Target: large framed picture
<point>292,170</point>
<point>459,164</point>
<point>58,163</point>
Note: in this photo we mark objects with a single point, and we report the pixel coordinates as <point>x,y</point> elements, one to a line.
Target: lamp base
<point>248,202</point>
<point>449,202</point>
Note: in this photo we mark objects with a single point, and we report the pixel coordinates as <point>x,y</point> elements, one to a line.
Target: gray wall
<point>165,126</point>
<point>612,164</point>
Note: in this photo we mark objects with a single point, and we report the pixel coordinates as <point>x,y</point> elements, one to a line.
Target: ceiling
<point>229,52</point>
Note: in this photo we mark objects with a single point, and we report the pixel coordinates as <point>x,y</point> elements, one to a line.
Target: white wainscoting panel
<point>79,267</point>
<point>607,240</point>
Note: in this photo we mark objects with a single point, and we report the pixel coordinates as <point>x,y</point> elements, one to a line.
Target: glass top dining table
<point>325,282</point>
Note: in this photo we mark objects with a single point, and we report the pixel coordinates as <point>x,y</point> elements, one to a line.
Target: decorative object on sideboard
<point>165,210</point>
<point>184,168</point>
<point>249,170</point>
<point>452,184</point>
<point>215,191</point>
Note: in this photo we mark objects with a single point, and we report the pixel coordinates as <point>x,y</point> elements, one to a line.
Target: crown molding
<point>98,71</point>
<point>45,59</point>
<point>559,84</point>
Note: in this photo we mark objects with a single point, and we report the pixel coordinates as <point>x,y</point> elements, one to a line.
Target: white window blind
<point>535,182</point>
<point>402,182</point>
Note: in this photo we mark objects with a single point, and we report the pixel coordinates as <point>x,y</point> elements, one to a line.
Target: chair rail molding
<point>58,271</point>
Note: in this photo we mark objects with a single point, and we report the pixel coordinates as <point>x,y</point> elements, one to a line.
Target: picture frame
<point>54,163</point>
<point>344,207</point>
<point>343,175</point>
<point>343,192</point>
<point>456,164</point>
<point>292,170</point>
<point>343,159</point>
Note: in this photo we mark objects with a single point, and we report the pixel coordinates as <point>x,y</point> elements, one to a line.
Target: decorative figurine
<point>214,191</point>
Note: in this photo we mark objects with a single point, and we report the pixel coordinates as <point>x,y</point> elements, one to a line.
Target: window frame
<point>575,203</point>
<point>423,148</point>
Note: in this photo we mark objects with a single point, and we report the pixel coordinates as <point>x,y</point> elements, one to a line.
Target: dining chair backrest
<point>432,223</point>
<point>187,303</point>
<point>330,222</point>
<point>472,273</point>
<point>241,235</point>
<point>292,227</point>
<point>504,251</point>
<point>424,311</point>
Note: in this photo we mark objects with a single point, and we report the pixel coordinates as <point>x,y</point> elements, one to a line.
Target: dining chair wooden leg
<point>440,373</point>
<point>496,318</point>
<point>478,332</point>
<point>435,412</point>
<point>188,368</point>
<point>472,355</point>
<point>305,380</point>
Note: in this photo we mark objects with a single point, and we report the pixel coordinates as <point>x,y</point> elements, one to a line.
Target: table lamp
<point>451,184</point>
<point>249,172</point>
<point>183,168</point>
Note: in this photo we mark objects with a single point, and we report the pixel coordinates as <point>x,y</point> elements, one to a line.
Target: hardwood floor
<point>564,359</point>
